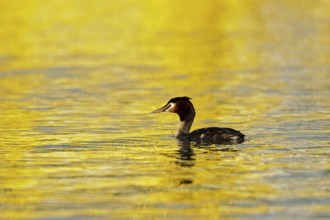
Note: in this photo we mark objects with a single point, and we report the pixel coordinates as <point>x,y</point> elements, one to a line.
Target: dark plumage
<point>216,135</point>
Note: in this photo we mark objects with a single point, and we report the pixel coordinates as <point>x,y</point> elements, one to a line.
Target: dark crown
<point>184,98</point>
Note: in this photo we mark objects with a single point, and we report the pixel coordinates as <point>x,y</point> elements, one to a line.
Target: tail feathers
<point>246,138</point>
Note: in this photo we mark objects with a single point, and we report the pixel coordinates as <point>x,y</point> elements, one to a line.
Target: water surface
<point>78,79</point>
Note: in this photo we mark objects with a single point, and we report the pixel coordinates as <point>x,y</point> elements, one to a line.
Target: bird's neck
<point>185,125</point>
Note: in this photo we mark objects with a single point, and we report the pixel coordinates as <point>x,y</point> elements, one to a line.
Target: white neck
<point>184,127</point>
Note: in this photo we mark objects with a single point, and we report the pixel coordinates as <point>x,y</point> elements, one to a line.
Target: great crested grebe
<point>212,135</point>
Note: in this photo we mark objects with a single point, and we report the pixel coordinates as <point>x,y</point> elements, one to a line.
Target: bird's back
<point>215,135</point>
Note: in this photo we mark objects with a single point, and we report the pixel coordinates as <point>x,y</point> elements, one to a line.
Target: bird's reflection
<point>185,159</point>
<point>186,154</point>
<point>186,182</point>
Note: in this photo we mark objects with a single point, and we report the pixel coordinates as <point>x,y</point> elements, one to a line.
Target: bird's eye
<point>169,106</point>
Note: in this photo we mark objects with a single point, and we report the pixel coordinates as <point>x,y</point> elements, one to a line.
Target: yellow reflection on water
<point>77,79</point>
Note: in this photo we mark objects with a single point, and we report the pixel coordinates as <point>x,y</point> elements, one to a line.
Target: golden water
<point>78,79</point>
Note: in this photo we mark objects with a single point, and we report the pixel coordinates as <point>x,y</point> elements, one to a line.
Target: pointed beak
<point>162,109</point>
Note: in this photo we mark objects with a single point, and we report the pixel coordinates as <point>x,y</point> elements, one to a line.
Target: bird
<point>205,136</point>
